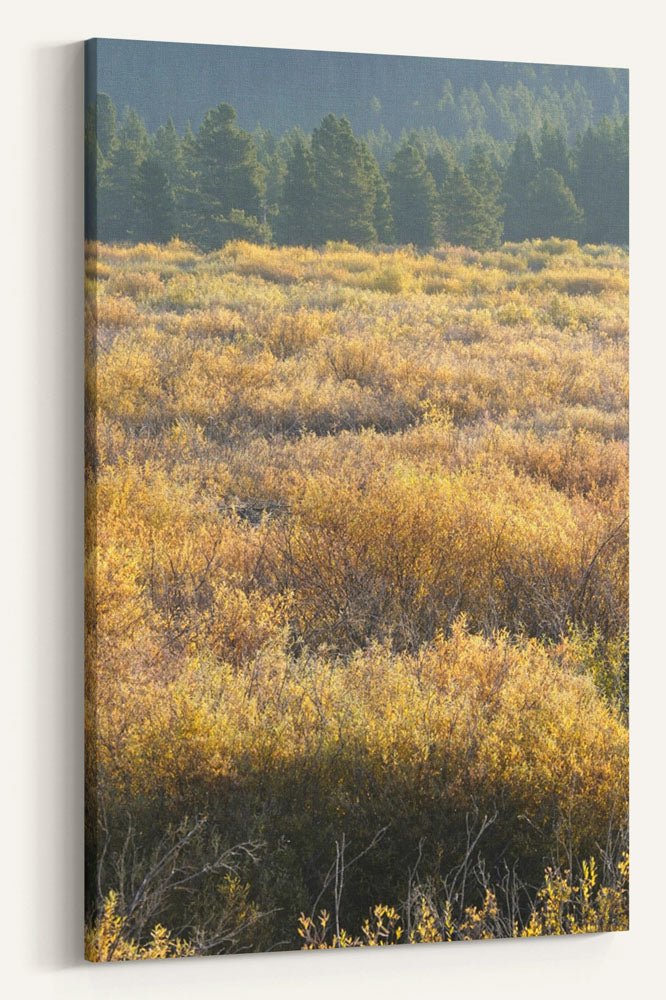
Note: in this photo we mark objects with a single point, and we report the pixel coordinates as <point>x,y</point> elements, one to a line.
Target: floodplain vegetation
<point>356,595</point>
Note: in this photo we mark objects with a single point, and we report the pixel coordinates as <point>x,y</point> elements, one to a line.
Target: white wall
<point>41,434</point>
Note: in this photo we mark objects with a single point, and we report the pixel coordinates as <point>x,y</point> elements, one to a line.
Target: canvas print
<point>356,500</point>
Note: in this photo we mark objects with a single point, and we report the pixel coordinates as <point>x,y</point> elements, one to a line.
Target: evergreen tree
<point>296,221</point>
<point>486,181</point>
<point>345,199</point>
<point>440,162</point>
<point>382,217</point>
<point>413,197</point>
<point>119,180</point>
<point>185,191</point>
<point>228,177</point>
<point>554,152</point>
<point>468,220</point>
<point>167,152</point>
<point>415,139</point>
<point>105,121</point>
<point>521,170</point>
<point>602,181</point>
<point>99,136</point>
<point>154,203</point>
<point>382,144</point>
<point>552,207</point>
<point>271,157</point>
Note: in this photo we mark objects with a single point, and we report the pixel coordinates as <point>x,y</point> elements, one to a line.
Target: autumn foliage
<point>357,595</point>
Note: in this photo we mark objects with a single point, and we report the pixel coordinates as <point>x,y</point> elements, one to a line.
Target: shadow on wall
<point>54,690</point>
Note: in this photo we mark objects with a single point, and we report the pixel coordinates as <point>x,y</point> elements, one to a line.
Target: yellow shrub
<point>357,558</point>
<point>106,941</point>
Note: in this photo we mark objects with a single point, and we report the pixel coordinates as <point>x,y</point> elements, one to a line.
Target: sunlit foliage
<point>356,568</point>
<point>564,905</point>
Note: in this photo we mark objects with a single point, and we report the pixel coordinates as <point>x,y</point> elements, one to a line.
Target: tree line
<point>224,183</point>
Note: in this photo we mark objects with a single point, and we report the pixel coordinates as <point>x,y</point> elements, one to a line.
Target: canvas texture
<point>356,500</point>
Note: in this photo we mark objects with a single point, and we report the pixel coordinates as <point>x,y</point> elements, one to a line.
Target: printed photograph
<point>356,457</point>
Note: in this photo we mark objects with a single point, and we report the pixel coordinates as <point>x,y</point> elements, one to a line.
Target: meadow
<point>356,595</point>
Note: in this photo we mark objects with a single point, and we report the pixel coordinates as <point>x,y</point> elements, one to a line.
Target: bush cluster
<point>356,594</point>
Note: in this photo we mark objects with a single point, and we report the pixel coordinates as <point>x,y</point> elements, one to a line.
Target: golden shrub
<point>357,558</point>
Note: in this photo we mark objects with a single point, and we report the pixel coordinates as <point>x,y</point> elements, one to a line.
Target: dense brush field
<point>357,595</point>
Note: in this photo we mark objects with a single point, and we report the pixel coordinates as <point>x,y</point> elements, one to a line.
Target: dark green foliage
<point>552,207</point>
<point>440,164</point>
<point>345,195</point>
<point>602,185</point>
<point>225,183</point>
<point>487,223</point>
<point>228,176</point>
<point>119,181</point>
<point>382,216</point>
<point>382,144</point>
<point>554,152</point>
<point>468,217</point>
<point>105,123</point>
<point>94,167</point>
<point>226,160</point>
<point>272,154</point>
<point>186,193</point>
<point>413,197</point>
<point>298,199</point>
<point>168,153</point>
<point>155,205</point>
<point>239,226</point>
<point>521,170</point>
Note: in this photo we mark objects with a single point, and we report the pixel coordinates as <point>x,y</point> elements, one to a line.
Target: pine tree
<point>382,217</point>
<point>345,199</point>
<point>228,179</point>
<point>602,181</point>
<point>552,207</point>
<point>105,119</point>
<point>554,152</point>
<point>484,177</point>
<point>270,153</point>
<point>166,149</point>
<point>154,203</point>
<point>119,180</point>
<point>466,220</point>
<point>440,162</point>
<point>413,197</point>
<point>415,139</point>
<point>296,221</point>
<point>382,144</point>
<point>521,170</point>
<point>99,138</point>
<point>186,190</point>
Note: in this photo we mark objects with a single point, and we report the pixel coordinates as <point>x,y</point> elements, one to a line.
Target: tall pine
<point>552,207</point>
<point>166,149</point>
<point>345,199</point>
<point>464,216</point>
<point>484,177</point>
<point>382,217</point>
<point>118,182</point>
<point>602,181</point>
<point>229,182</point>
<point>296,221</point>
<point>521,170</point>
<point>554,152</point>
<point>413,197</point>
<point>154,203</point>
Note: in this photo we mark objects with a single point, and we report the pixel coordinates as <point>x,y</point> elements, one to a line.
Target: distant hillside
<point>281,88</point>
